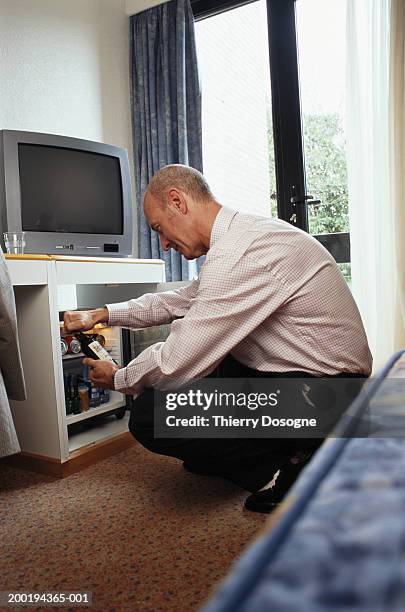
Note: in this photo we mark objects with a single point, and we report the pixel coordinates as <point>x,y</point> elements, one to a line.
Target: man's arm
<point>231,302</point>
<point>150,309</point>
<point>153,308</point>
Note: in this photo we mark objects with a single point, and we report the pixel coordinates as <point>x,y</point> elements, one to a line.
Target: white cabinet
<point>43,286</point>
<point>107,271</point>
<point>34,273</point>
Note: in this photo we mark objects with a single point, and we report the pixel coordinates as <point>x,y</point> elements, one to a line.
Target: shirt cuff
<point>120,380</point>
<point>115,312</point>
<point>120,383</point>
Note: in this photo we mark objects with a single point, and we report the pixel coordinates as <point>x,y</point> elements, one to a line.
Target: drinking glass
<point>14,242</point>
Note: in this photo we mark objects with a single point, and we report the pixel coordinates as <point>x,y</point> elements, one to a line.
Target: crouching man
<point>269,301</point>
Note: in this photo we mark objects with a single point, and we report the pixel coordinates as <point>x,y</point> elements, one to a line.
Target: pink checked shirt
<point>268,293</point>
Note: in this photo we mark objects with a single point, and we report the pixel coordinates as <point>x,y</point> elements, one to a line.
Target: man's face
<point>173,227</point>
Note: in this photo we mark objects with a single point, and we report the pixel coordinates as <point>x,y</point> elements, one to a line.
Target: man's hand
<point>83,320</point>
<point>101,373</point>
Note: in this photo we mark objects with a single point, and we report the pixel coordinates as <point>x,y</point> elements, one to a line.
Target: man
<point>269,301</point>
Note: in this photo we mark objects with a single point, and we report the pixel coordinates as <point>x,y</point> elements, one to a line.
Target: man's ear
<point>176,200</point>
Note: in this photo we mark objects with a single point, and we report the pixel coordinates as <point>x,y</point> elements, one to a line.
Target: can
<point>94,396</point>
<point>63,346</point>
<point>75,346</point>
<point>104,396</point>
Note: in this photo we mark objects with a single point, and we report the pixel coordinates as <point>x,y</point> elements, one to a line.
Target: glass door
<point>307,57</point>
<point>277,145</point>
<point>321,62</point>
<point>238,152</point>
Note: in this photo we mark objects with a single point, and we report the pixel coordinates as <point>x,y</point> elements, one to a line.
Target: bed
<point>338,540</point>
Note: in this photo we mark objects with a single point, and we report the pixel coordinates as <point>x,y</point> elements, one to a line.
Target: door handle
<point>304,199</point>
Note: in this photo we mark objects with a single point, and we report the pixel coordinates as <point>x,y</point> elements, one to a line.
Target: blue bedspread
<point>341,543</point>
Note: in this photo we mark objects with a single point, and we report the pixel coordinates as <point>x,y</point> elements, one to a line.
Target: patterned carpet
<point>136,529</point>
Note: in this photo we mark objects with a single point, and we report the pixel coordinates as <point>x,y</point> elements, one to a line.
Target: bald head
<point>186,179</point>
<point>179,205</point>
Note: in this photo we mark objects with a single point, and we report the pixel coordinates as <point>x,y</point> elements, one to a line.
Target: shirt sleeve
<point>153,308</point>
<point>230,303</point>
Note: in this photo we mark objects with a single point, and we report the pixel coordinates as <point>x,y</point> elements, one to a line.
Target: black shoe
<point>199,469</point>
<point>268,499</point>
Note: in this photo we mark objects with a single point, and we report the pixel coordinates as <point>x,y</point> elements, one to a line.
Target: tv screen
<point>68,190</point>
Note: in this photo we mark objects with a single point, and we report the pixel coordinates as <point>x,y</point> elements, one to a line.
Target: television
<point>69,196</point>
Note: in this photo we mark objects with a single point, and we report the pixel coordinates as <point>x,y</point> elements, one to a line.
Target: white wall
<point>64,69</point>
<point>137,6</point>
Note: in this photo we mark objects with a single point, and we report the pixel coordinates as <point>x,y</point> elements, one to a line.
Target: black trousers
<point>248,462</point>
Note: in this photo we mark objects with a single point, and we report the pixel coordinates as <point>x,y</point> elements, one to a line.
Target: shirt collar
<point>221,224</point>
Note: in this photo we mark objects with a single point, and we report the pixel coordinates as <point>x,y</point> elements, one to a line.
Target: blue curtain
<point>166,107</point>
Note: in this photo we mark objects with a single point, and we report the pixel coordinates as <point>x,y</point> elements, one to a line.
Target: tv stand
<point>44,286</point>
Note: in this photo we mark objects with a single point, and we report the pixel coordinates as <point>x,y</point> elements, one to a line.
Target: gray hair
<point>184,178</point>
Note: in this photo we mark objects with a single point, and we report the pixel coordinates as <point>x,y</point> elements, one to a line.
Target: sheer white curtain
<point>372,197</point>
<point>397,127</point>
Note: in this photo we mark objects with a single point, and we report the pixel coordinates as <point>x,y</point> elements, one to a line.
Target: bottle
<point>100,339</point>
<point>92,348</point>
<point>86,381</point>
<point>67,381</point>
<point>75,395</point>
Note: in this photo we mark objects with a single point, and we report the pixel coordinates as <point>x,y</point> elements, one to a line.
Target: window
<point>289,133</point>
<point>238,154</point>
